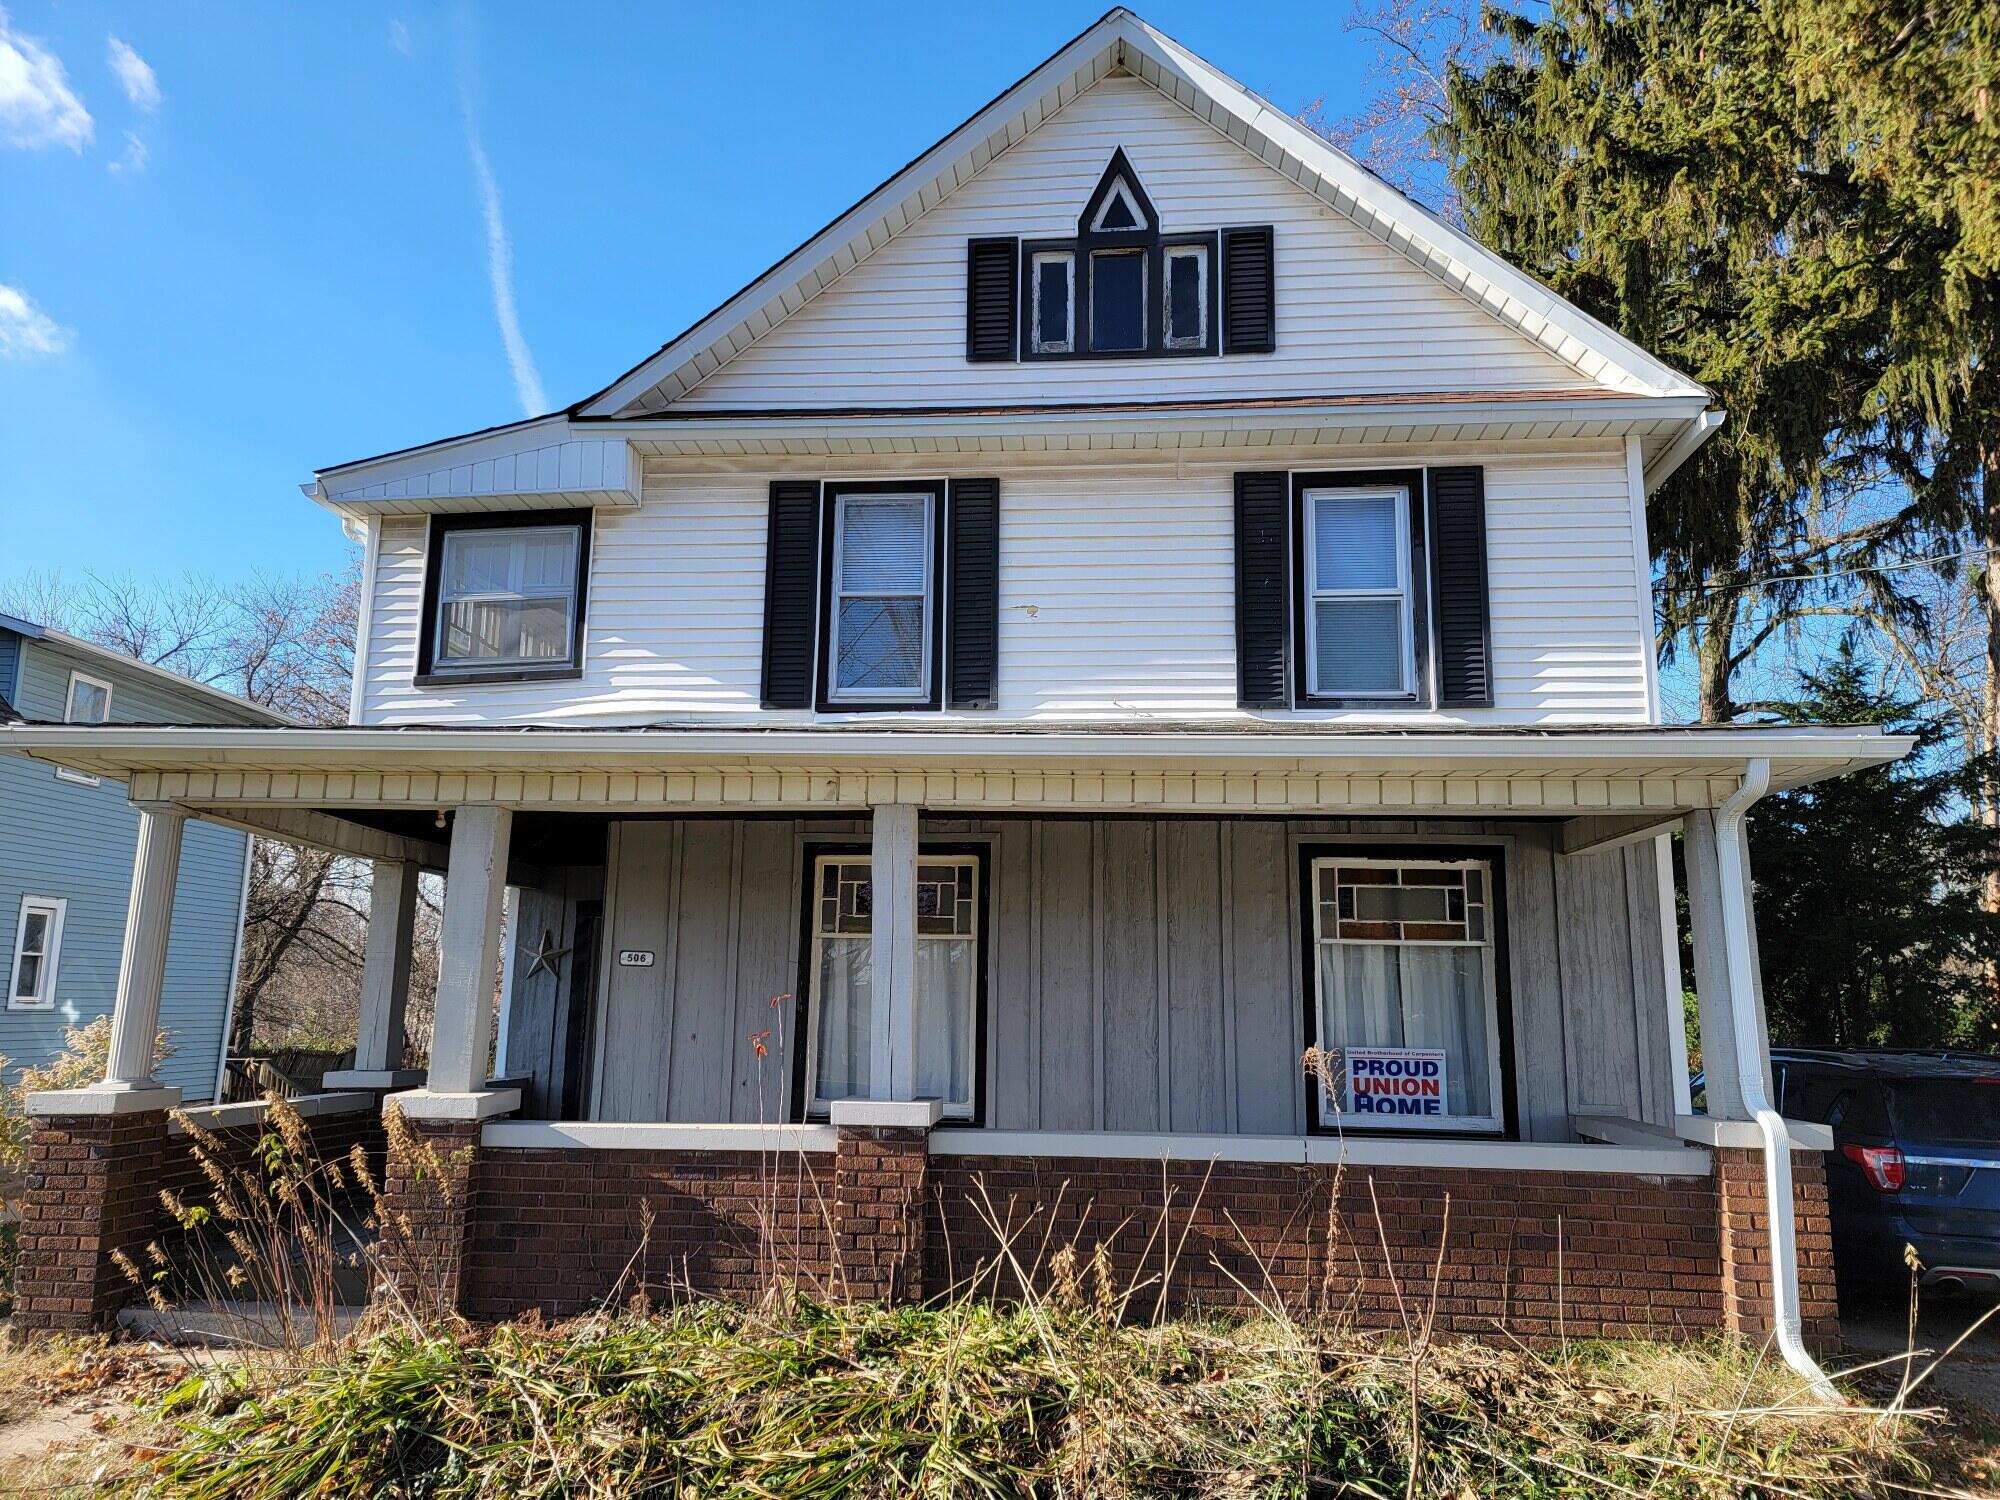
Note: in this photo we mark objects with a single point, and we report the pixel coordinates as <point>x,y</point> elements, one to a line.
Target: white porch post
<point>385,981</point>
<point>468,955</point>
<point>142,968</point>
<point>893,953</point>
<point>1713,980</point>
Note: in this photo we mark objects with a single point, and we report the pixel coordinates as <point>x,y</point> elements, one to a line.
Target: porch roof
<point>1610,782</point>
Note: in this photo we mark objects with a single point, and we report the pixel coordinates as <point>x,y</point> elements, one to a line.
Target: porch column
<point>893,953</point>
<point>95,1154</point>
<point>475,895</point>
<point>385,982</point>
<point>142,968</point>
<point>1711,968</point>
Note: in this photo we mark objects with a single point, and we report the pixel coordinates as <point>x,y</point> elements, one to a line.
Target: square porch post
<point>892,946</point>
<point>385,982</point>
<point>95,1154</point>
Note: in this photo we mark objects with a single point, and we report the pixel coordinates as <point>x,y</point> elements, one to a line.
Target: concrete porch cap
<point>101,1099</point>
<point>478,1104</point>
<point>886,1114</point>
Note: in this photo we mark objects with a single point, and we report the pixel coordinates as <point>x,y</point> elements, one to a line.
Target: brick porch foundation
<point>492,1232</point>
<point>92,1194</point>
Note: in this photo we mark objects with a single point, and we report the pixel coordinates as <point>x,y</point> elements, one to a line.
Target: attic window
<point>1121,288</point>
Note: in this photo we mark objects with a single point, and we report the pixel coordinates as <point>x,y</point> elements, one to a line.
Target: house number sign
<point>635,958</point>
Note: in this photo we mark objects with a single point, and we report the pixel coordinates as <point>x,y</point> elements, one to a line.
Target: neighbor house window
<point>1052,288</point>
<point>1407,1013</point>
<point>1184,298</point>
<point>839,1055</point>
<point>1358,617</point>
<point>88,702</point>
<point>882,600</point>
<point>31,985</point>
<point>506,595</point>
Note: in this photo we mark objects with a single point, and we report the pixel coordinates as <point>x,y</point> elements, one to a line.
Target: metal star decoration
<point>545,956</point>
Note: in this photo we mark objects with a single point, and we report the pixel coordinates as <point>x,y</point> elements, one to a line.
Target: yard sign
<point>1396,1080</point>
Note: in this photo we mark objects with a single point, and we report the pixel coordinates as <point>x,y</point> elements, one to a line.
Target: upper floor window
<point>89,700</point>
<point>1360,638</point>
<point>883,596</point>
<point>504,596</point>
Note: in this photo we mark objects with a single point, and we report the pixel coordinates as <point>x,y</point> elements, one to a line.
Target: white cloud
<point>135,75</point>
<point>399,38</point>
<point>25,330</point>
<point>137,154</point>
<point>37,105</point>
<point>500,273</point>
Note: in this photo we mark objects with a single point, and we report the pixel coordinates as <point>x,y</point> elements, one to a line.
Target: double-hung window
<point>1406,1004</point>
<point>505,595</point>
<point>882,615</point>
<point>87,702</point>
<point>1359,629</point>
<point>31,982</point>
<point>840,1058</point>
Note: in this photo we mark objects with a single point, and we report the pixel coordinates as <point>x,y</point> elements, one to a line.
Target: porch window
<point>505,595</point>
<point>31,984</point>
<point>1358,617</point>
<point>883,546</point>
<point>1407,998</point>
<point>839,1059</point>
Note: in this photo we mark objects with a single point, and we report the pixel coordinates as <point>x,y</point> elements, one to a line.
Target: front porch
<point>899,1013</point>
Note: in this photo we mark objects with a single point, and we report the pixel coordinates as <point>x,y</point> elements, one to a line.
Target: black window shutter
<point>1458,585</point>
<point>791,593</point>
<point>1263,623</point>
<point>1249,291</point>
<point>992,272</point>
<point>973,576</point>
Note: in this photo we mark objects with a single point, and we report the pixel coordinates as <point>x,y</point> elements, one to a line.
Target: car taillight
<point>1881,1165</point>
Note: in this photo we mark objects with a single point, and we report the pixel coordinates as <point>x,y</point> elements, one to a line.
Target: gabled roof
<point>1120,41</point>
<point>202,691</point>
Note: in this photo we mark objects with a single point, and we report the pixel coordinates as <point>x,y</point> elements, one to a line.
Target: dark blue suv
<point>1916,1160</point>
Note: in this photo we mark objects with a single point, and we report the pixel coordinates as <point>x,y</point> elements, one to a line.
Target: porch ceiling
<point>1249,767</point>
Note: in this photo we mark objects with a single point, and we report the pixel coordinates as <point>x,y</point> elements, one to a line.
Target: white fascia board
<point>540,463</point>
<point>1720,750</point>
<point>1605,416</point>
<point>1682,448</point>
<point>1122,39</point>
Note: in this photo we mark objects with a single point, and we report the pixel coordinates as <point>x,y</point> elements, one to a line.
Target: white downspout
<point>1752,1080</point>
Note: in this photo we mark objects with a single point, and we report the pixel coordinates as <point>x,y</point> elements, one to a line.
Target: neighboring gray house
<point>66,846</point>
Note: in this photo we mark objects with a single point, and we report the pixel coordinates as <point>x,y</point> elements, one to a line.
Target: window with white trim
<point>1052,288</point>
<point>31,982</point>
<point>883,597</point>
<point>1358,625</point>
<point>839,1051</point>
<point>88,701</point>
<point>1184,297</point>
<point>507,598</point>
<point>1406,993</point>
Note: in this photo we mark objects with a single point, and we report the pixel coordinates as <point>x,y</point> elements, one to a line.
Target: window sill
<point>42,1006</point>
<point>894,706</point>
<point>501,677</point>
<point>1403,700</point>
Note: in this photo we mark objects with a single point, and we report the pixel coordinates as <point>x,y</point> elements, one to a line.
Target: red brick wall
<point>1535,1252</point>
<point>92,1190</point>
<point>1746,1240</point>
<point>558,1228</point>
<point>879,1217</point>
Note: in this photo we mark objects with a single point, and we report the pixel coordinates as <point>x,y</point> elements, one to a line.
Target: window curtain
<point>1384,995</point>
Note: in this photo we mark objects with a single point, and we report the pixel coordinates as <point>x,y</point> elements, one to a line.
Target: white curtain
<point>1395,995</point>
<point>944,1019</point>
<point>841,1068</point>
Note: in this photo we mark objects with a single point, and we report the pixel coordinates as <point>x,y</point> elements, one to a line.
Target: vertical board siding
<point>1142,975</point>
<point>64,839</point>
<point>1117,600</point>
<point>1352,316</point>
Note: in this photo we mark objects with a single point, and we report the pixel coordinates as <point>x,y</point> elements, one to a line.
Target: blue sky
<point>239,241</point>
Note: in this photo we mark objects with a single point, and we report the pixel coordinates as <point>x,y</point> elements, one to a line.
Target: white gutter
<point>1752,1078</point>
<point>1705,425</point>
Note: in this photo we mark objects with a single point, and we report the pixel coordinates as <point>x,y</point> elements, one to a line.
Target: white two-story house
<point>1132,603</point>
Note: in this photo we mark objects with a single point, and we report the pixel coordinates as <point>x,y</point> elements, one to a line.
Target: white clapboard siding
<point>1353,317</point>
<point>1116,601</point>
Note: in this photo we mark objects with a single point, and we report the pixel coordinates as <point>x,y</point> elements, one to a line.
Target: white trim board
<point>610,1135</point>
